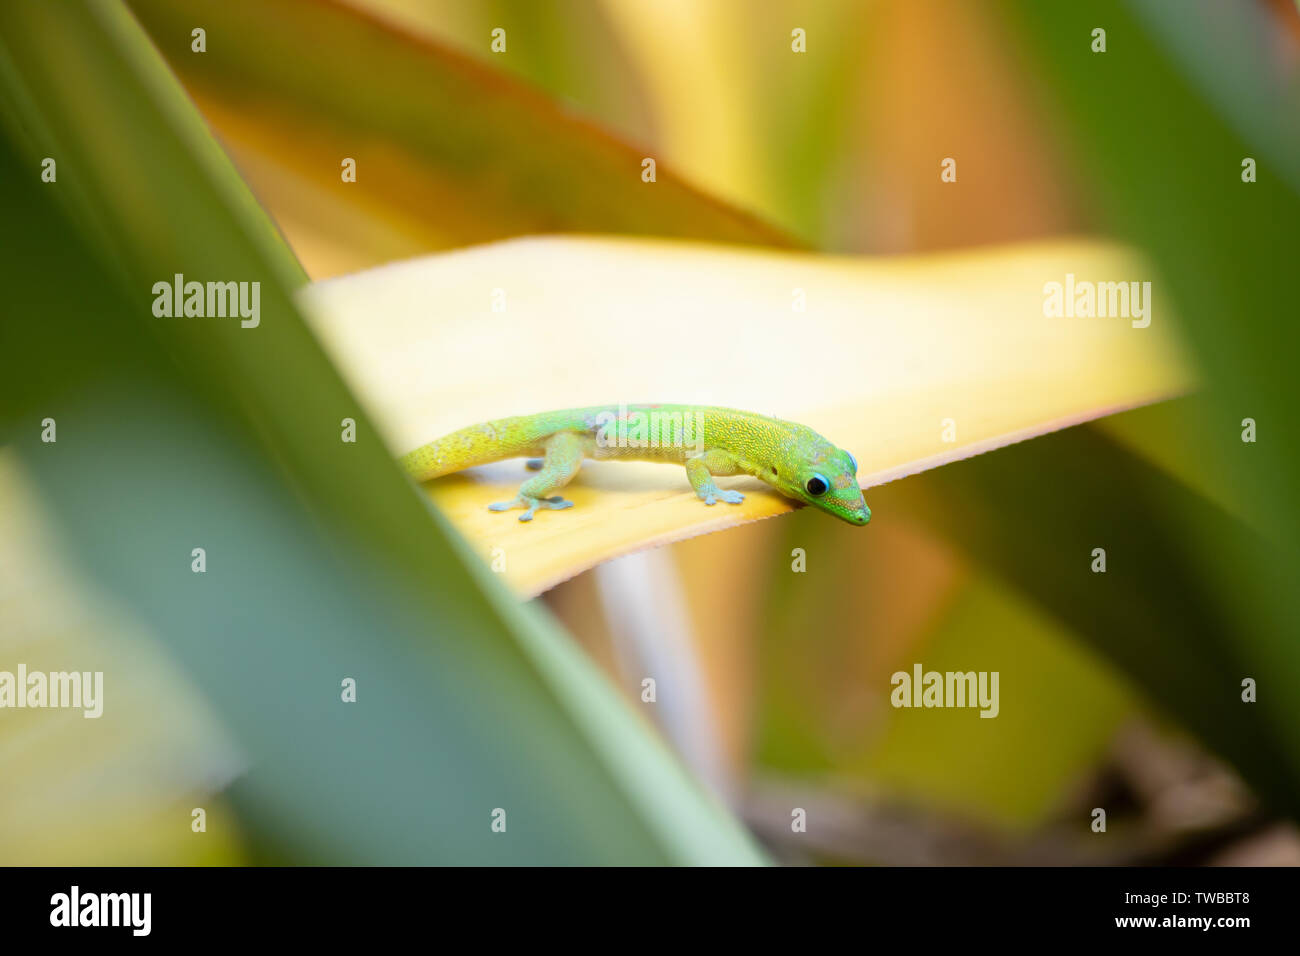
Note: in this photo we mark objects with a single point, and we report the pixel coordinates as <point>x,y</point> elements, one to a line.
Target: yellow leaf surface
<point>908,363</point>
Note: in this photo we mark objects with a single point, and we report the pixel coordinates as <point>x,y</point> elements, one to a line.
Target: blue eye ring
<point>817,486</point>
<point>852,461</point>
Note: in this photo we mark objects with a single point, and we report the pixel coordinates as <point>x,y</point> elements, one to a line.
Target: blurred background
<point>1128,692</point>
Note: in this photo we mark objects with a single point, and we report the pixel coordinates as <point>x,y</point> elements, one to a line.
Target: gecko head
<point>826,478</point>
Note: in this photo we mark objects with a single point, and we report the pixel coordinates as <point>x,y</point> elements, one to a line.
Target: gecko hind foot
<point>555,503</point>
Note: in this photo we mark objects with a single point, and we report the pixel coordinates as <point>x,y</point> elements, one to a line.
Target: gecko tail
<point>475,445</point>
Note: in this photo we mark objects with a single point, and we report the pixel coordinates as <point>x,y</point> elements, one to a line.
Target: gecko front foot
<point>531,505</point>
<point>713,496</point>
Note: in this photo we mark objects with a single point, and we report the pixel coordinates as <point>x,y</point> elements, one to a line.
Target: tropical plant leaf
<point>907,363</point>
<point>153,751</point>
<point>448,151</point>
<point>1035,515</point>
<point>1223,246</point>
<point>321,562</point>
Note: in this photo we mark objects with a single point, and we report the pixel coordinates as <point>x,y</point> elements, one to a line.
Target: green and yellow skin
<point>709,441</point>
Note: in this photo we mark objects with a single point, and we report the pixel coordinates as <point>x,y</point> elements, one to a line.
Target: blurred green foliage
<point>470,703</point>
<point>1198,594</point>
<point>1161,151</point>
<point>322,561</point>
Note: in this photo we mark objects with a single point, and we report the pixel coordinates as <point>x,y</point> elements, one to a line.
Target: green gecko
<point>709,441</point>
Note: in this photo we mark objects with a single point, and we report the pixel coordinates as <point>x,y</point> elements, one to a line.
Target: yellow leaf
<point>908,363</point>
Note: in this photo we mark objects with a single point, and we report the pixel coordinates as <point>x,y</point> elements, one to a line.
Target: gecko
<point>709,441</point>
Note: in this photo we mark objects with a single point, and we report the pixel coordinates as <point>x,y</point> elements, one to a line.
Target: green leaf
<point>1163,611</point>
<point>1225,249</point>
<point>323,563</point>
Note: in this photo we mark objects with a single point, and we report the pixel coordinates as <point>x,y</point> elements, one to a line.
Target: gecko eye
<point>817,486</point>
<point>853,462</point>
